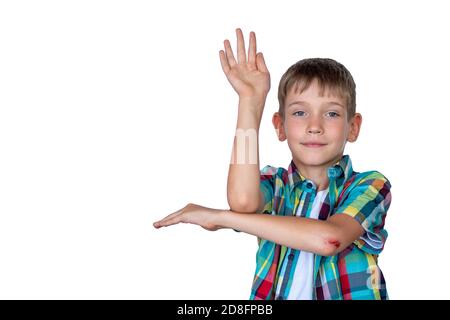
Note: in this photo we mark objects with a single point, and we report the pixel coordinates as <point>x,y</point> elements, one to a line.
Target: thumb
<point>260,63</point>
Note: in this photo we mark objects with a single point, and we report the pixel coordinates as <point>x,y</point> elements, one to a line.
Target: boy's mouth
<point>313,144</point>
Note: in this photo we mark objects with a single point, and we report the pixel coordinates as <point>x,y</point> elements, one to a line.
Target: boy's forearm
<point>243,174</point>
<point>319,237</point>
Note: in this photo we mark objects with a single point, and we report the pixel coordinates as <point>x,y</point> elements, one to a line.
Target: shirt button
<point>291,256</point>
<point>332,172</point>
<point>309,185</point>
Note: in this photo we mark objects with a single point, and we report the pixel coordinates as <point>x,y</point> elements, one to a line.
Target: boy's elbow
<point>331,244</point>
<point>329,249</point>
<point>242,204</point>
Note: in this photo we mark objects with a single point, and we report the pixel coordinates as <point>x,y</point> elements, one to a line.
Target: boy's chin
<point>316,160</point>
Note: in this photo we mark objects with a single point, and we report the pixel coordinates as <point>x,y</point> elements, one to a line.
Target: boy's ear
<point>277,121</point>
<point>355,126</point>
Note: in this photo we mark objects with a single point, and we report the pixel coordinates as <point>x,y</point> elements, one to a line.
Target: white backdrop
<point>114,114</point>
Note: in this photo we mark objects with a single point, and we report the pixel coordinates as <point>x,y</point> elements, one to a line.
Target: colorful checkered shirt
<point>351,274</point>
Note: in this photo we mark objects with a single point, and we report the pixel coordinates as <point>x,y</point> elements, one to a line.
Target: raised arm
<point>250,78</point>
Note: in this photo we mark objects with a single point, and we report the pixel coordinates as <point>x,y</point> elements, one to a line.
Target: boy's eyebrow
<point>307,104</point>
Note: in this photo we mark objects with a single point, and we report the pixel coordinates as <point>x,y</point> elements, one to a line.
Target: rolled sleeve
<point>368,202</point>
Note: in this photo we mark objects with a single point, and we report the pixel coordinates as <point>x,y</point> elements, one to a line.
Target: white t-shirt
<point>302,284</point>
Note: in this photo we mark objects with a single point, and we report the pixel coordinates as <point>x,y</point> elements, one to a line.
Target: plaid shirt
<point>351,274</point>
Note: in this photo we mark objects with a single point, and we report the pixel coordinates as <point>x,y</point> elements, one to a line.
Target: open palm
<point>249,75</point>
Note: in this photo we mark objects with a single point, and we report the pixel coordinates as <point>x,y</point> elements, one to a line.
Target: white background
<point>114,114</point>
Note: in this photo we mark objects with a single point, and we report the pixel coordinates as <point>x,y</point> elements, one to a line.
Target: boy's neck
<point>317,174</point>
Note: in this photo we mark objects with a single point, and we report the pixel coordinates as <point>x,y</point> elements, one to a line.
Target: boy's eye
<point>332,114</point>
<point>299,113</point>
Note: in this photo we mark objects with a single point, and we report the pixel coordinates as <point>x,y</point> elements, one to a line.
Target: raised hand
<point>249,75</point>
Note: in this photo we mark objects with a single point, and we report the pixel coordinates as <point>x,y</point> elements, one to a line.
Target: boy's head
<point>330,75</point>
<point>317,111</point>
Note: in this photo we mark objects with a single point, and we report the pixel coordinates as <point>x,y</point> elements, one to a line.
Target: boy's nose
<point>315,130</point>
<point>314,127</point>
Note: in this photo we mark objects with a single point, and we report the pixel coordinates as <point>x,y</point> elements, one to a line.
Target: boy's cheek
<point>294,133</point>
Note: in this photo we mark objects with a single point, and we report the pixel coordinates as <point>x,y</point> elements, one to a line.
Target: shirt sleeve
<point>266,185</point>
<point>368,202</point>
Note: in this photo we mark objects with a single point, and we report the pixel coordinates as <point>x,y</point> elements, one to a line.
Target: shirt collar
<point>341,171</point>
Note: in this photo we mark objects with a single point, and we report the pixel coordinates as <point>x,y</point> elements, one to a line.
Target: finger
<point>260,63</point>
<point>165,222</point>
<point>224,62</point>
<point>240,46</point>
<point>170,216</point>
<point>169,222</point>
<point>229,53</point>
<point>252,49</point>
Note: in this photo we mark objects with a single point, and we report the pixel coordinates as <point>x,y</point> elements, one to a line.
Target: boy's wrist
<point>256,97</point>
<point>253,102</point>
<point>221,219</point>
<point>251,107</point>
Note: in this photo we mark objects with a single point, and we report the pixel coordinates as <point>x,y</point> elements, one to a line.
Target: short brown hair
<point>330,74</point>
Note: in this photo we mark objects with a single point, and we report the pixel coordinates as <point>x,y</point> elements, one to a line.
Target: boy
<point>322,226</point>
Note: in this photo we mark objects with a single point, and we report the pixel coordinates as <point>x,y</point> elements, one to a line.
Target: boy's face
<point>316,127</point>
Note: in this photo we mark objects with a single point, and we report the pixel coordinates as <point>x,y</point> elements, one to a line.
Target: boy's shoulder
<point>368,177</point>
<point>272,172</point>
<point>369,184</point>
